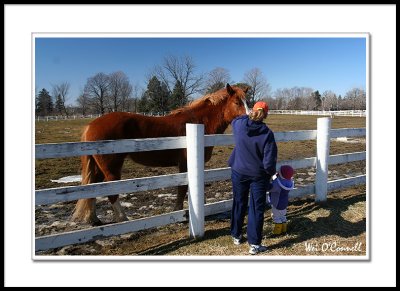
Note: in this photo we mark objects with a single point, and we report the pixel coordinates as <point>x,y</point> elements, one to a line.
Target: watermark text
<point>333,247</point>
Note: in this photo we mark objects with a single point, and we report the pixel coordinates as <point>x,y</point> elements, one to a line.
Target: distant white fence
<point>195,141</point>
<point>354,113</point>
<point>65,117</point>
<point>80,116</point>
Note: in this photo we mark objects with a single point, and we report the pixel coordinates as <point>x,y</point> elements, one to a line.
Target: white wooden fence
<point>353,113</point>
<point>65,117</point>
<point>80,116</point>
<point>195,141</point>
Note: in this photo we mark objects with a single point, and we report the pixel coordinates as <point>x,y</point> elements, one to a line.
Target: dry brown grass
<point>340,221</point>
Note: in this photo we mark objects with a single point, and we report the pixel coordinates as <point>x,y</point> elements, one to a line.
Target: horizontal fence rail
<point>70,149</point>
<point>70,193</point>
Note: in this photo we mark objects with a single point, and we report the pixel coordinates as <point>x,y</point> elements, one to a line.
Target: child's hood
<point>285,183</point>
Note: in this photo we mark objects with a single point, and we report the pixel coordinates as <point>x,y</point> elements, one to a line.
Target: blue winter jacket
<point>255,151</point>
<point>279,192</point>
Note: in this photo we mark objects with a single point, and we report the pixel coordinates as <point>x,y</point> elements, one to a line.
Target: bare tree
<point>120,91</point>
<point>61,91</point>
<point>83,102</point>
<point>216,79</point>
<point>96,89</point>
<point>179,69</point>
<point>356,99</point>
<point>259,86</point>
<point>137,93</point>
<point>284,98</point>
<point>295,98</point>
<point>329,100</point>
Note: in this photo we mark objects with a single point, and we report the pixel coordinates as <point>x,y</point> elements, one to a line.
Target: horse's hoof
<point>96,223</point>
<point>177,208</point>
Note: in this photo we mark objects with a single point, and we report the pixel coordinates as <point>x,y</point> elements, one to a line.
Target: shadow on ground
<point>301,227</point>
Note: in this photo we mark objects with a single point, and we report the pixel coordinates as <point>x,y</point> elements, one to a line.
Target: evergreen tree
<point>318,100</point>
<point>178,98</point>
<point>59,107</point>
<point>143,105</point>
<point>157,96</point>
<point>44,103</point>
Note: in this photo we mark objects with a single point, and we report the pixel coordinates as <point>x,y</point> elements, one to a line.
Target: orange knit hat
<point>261,105</point>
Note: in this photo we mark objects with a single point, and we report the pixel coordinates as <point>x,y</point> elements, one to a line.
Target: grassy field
<point>341,222</point>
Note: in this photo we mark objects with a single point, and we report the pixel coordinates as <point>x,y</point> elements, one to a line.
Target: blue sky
<point>328,63</point>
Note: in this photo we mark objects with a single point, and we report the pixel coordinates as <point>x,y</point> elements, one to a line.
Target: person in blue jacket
<point>278,198</point>
<point>252,162</point>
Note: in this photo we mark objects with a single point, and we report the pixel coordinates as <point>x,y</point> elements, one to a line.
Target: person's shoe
<point>255,249</point>
<point>284,227</point>
<point>277,229</point>
<point>237,240</point>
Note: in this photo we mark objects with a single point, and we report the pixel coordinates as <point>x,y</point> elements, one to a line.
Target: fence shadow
<point>301,228</point>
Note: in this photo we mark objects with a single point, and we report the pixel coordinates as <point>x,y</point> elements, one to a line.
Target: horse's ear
<point>229,89</point>
<point>246,89</point>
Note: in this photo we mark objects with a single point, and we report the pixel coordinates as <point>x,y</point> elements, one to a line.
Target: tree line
<point>174,83</point>
<point>304,98</point>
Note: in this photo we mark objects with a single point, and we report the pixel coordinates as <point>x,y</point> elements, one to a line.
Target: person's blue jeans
<point>257,186</point>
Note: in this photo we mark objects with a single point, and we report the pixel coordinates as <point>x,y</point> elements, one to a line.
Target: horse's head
<point>236,103</point>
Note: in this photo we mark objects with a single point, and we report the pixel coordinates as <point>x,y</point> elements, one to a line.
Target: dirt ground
<point>330,229</point>
<point>337,228</point>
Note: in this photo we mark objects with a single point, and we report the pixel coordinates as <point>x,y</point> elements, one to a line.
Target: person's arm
<point>274,194</point>
<point>270,155</point>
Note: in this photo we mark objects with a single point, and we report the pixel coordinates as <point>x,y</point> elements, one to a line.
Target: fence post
<point>195,172</point>
<point>323,144</point>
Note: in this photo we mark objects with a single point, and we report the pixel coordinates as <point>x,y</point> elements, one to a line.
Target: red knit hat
<point>286,172</point>
<point>261,105</point>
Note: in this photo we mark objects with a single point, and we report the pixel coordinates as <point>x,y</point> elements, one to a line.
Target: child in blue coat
<point>282,183</point>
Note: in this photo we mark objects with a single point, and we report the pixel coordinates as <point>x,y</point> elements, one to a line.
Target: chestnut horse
<point>215,111</point>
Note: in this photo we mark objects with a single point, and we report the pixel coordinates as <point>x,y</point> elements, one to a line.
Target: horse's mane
<point>214,98</point>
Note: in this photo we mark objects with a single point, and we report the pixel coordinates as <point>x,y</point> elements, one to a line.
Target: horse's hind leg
<point>85,209</point>
<point>112,172</point>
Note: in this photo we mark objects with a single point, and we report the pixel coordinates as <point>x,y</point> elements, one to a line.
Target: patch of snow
<point>350,140</point>
<point>68,179</point>
<point>126,204</point>
<point>164,195</point>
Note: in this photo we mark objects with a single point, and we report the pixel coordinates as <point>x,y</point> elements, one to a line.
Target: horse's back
<point>124,125</point>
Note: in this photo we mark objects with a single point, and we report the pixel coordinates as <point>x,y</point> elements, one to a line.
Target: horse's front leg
<point>182,190</point>
<point>113,173</point>
<point>119,213</point>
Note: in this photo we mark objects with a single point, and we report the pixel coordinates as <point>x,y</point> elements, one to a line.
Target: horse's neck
<point>212,118</point>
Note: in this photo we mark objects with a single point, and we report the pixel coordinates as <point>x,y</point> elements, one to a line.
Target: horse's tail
<point>85,209</point>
